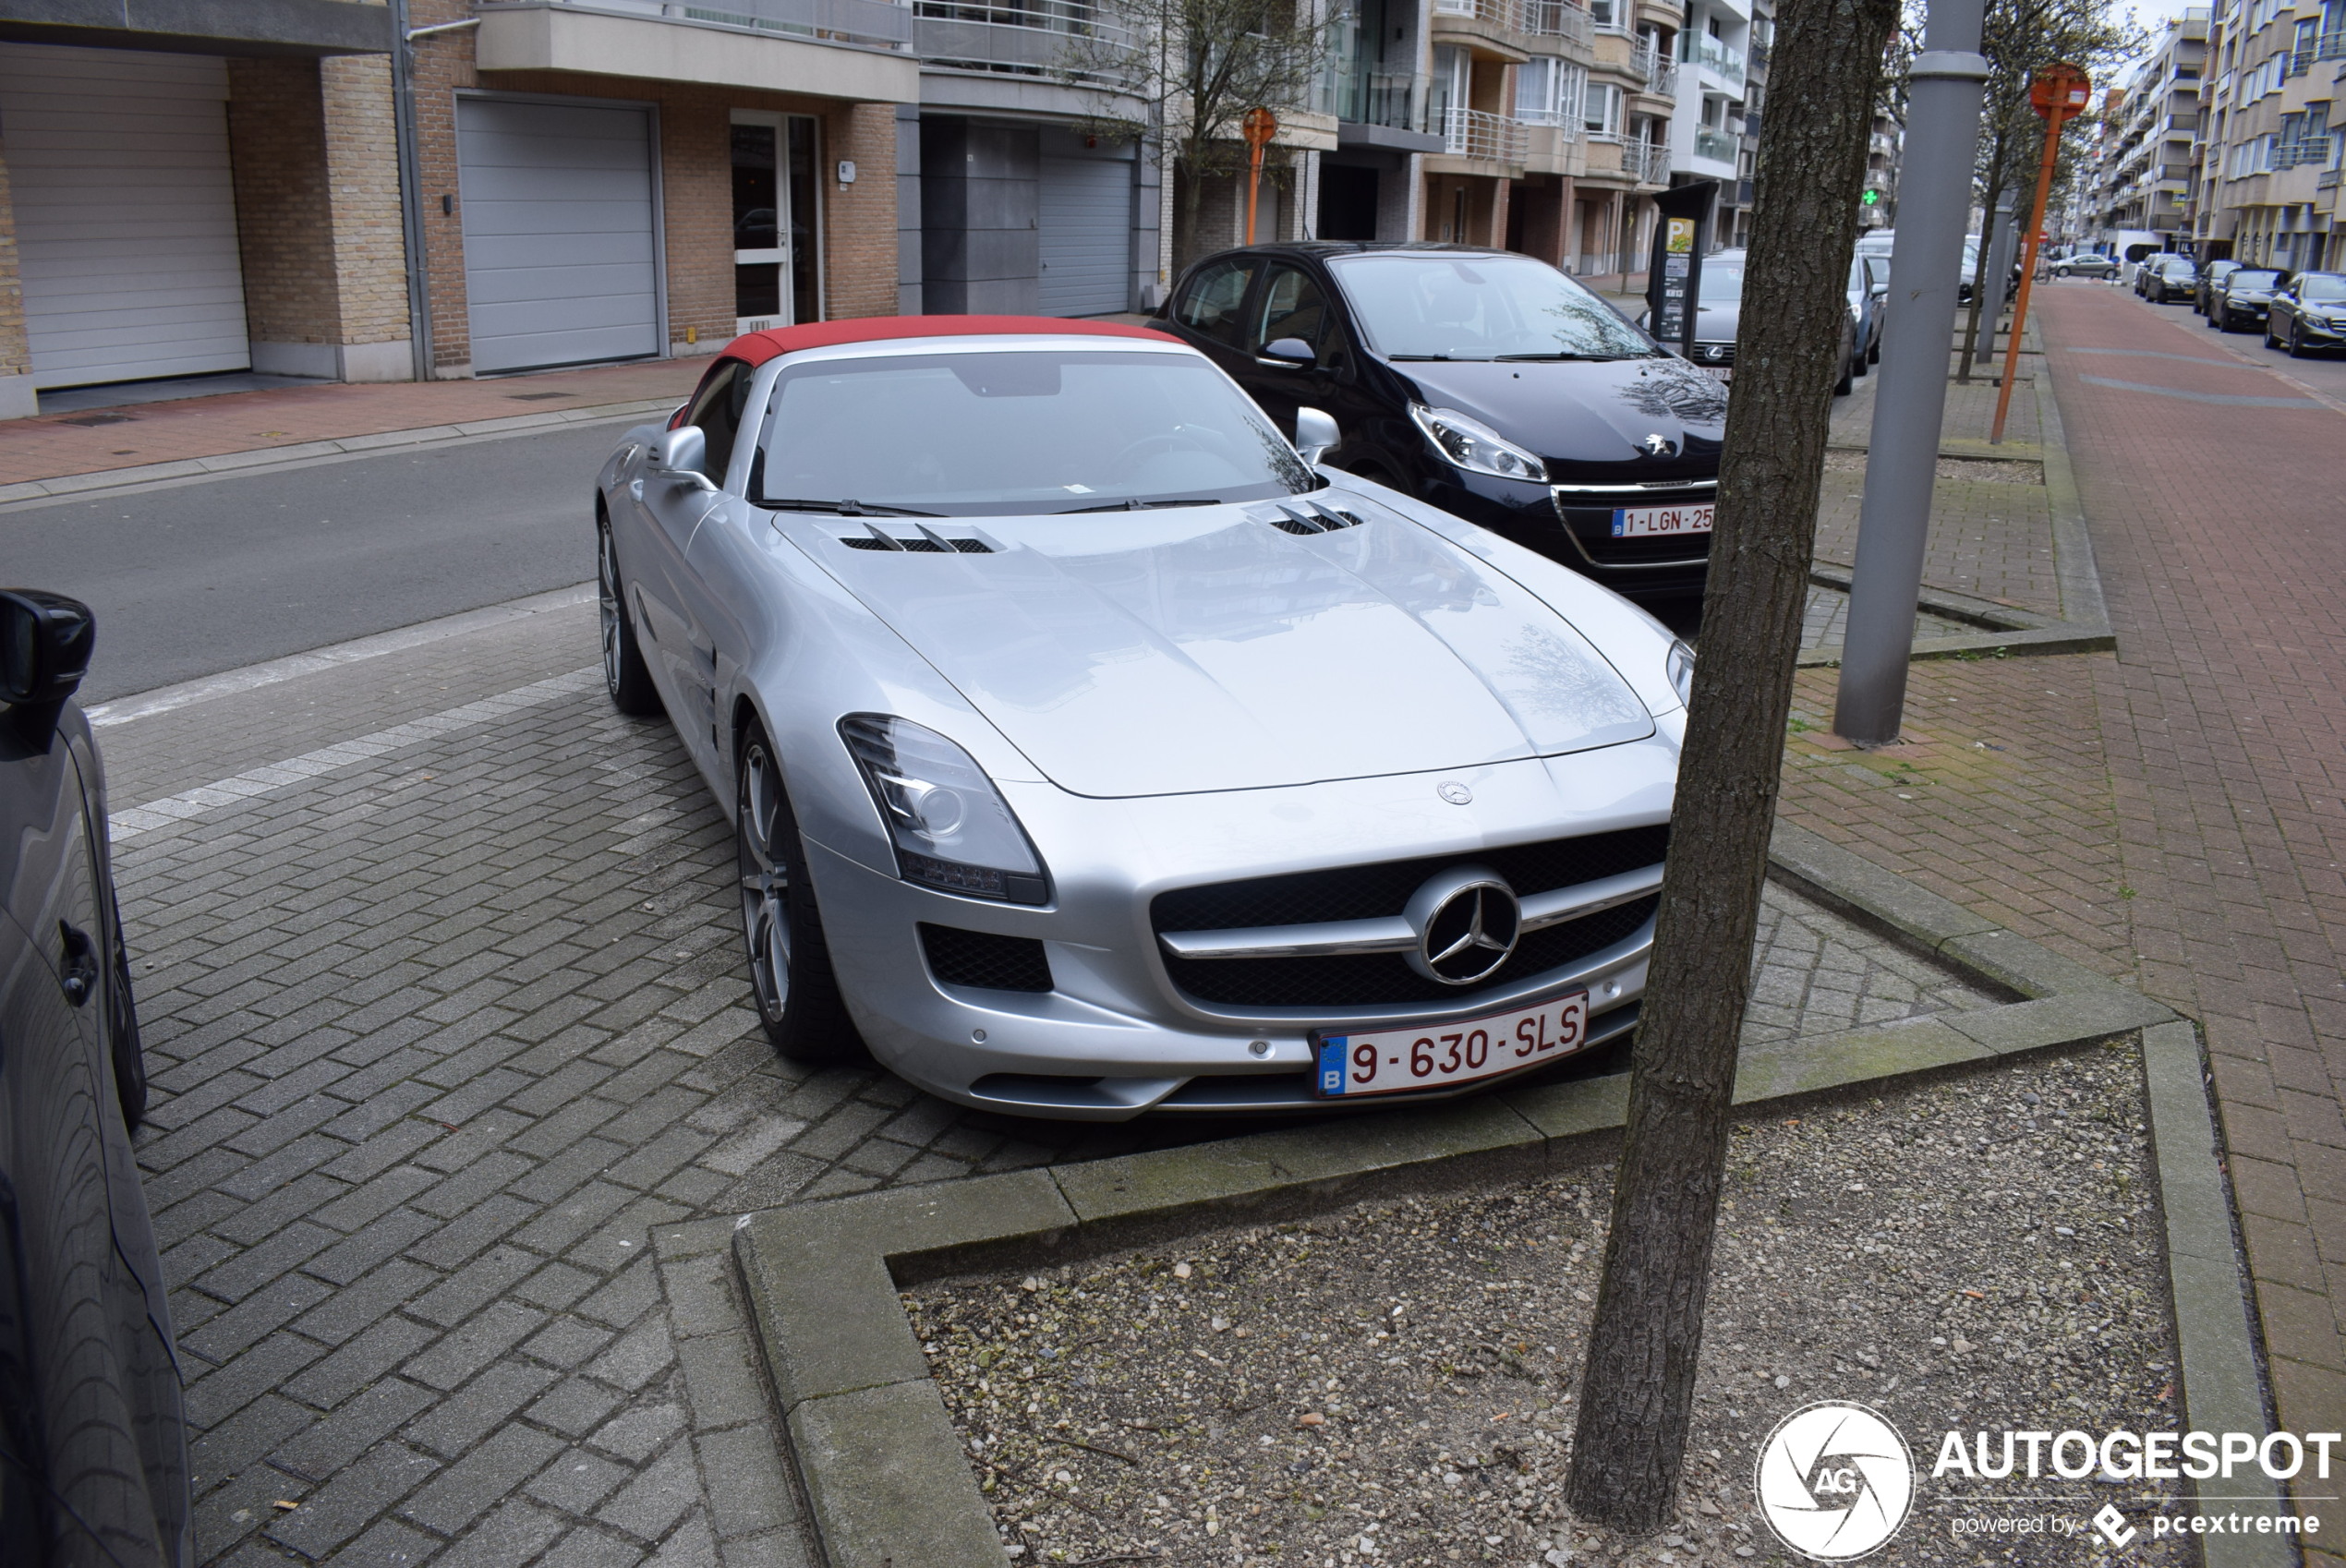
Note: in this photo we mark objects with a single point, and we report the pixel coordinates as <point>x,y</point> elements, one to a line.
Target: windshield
<point>2321,285</point>
<point>2249,277</point>
<point>1482,307</point>
<point>1722,280</point>
<point>1026,432</point>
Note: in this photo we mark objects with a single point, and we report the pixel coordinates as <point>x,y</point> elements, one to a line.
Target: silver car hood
<point>1170,652</point>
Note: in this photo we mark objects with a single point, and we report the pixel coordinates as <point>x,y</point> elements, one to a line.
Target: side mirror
<point>682,452</point>
<point>1314,433</point>
<point>46,641</point>
<point>1287,353</point>
<point>1880,291</point>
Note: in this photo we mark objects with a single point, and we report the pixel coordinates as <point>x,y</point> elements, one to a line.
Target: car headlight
<point>1475,446</point>
<point>951,825</point>
<point>1681,668</point>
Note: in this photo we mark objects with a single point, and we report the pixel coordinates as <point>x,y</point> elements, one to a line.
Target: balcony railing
<point>1717,146</point>
<point>2329,180</point>
<point>1472,133</point>
<point>1506,15</point>
<point>2331,46</point>
<point>1660,71</point>
<point>880,23</point>
<point>1719,57</point>
<point>1031,39</point>
<point>1559,18</point>
<point>1760,59</point>
<point>1371,98</point>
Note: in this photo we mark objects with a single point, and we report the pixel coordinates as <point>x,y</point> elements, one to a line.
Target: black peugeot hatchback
<point>1486,383</point>
<point>93,1454</point>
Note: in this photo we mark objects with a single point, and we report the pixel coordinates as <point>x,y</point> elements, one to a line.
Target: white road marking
<point>173,810</point>
<point>164,699</point>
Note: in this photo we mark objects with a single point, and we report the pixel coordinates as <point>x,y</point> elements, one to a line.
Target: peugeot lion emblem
<point>1467,920</point>
<point>1656,445</point>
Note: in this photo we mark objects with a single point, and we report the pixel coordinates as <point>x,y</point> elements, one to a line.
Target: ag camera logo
<point>1835,1481</point>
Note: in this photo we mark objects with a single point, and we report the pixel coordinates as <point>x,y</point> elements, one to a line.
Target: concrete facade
<point>2266,167</point>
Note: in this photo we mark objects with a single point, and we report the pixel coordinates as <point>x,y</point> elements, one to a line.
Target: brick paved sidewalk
<point>2173,816</point>
<point>458,1095</point>
<point>93,440</point>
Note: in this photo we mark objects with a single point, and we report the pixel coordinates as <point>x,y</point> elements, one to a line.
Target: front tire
<point>2296,341</point>
<point>791,979</point>
<point>624,674</point>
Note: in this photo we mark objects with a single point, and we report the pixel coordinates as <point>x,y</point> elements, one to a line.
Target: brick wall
<point>285,208</point>
<point>696,201</point>
<point>362,170</point>
<point>16,355</point>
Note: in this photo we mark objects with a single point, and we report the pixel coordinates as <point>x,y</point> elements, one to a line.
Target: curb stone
<point>868,1439</point>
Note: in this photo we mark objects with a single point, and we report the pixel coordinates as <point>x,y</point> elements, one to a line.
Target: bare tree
<point>1197,67</point>
<point>1639,1386</point>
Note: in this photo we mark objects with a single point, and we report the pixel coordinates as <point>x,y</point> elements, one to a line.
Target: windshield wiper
<point>1129,504</point>
<point>1528,358</point>
<point>1461,358</point>
<point>845,508</point>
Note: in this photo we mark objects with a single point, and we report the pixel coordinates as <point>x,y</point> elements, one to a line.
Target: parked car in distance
<point>2243,299</point>
<point>1486,383</point>
<point>1092,750</point>
<point>1720,318</point>
<point>94,1449</point>
<point>2084,264</point>
<point>2212,274</point>
<point>2307,312</point>
<point>2161,278</point>
<point>1870,303</point>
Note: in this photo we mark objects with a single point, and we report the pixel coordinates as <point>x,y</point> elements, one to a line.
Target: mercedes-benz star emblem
<point>1455,792</point>
<point>1467,920</point>
<point>1656,445</point>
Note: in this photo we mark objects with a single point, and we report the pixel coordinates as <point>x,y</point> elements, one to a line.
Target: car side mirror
<point>682,452</point>
<point>1314,433</point>
<point>1880,291</point>
<point>1287,353</point>
<point>46,641</point>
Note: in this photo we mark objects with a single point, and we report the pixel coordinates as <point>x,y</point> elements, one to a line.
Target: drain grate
<point>92,420</point>
<point>538,397</point>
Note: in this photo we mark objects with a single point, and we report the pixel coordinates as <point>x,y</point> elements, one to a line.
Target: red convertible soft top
<point>756,349</point>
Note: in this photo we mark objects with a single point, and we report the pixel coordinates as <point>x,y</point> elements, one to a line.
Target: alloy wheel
<point>764,863</point>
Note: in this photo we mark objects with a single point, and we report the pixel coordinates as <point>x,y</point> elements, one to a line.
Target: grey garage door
<point>1087,235</point>
<point>561,259</point>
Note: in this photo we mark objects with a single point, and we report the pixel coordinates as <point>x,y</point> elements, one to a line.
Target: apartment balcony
<point>1659,69</point>
<point>1560,18</point>
<point>855,50</point>
<point>1484,138</point>
<point>1646,161</point>
<point>1760,52</point>
<point>1375,109</point>
<point>1494,24</point>
<point>1035,38</point>
<point>1720,59</point>
<point>1717,146</point>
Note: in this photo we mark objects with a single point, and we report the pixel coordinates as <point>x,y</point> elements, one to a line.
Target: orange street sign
<point>1261,126</point>
<point>2062,87</point>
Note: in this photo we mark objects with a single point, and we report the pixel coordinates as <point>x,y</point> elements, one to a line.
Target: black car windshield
<point>2249,277</point>
<point>2322,286</point>
<point>1017,432</point>
<point>1480,308</point>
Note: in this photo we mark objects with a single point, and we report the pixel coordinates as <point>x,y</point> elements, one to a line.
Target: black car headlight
<point>951,828</point>
<point>1471,444</point>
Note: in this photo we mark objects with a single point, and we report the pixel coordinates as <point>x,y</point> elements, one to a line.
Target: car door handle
<point>79,973</point>
<point>635,488</point>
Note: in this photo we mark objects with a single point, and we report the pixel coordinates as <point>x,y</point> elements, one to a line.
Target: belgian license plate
<point>1718,372</point>
<point>1394,1061</point>
<point>1651,521</point>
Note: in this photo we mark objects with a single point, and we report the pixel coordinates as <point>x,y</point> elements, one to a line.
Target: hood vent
<point>920,540</point>
<point>1309,517</point>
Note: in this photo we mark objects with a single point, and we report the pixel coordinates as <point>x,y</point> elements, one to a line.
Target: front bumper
<point>1114,1036</point>
<point>2327,334</point>
<point>1571,521</point>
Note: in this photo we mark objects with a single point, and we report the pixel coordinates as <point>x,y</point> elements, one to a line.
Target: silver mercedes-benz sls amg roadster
<point>1091,752</point>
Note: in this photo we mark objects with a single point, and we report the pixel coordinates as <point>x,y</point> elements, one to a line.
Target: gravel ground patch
<point>1394,1382</point>
<point>1997,470</point>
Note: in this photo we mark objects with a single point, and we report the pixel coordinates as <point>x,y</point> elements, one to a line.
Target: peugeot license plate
<point>1394,1061</point>
<point>1651,521</point>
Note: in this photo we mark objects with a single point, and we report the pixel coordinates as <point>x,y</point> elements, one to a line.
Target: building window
<point>776,221</point>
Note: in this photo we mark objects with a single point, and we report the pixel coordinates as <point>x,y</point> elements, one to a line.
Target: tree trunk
<point>1637,1390</point>
<point>1987,244</point>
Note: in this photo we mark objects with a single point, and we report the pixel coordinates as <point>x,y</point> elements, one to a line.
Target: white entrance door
<point>561,263</point>
<point>125,215</point>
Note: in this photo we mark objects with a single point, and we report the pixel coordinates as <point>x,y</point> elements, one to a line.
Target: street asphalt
<point>191,579</point>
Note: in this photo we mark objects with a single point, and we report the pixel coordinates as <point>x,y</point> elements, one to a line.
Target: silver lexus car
<point>1091,752</point>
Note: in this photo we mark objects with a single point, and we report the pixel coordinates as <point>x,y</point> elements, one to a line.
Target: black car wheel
<point>2215,318</point>
<point>1873,354</point>
<point>1848,383</point>
<point>2296,339</point>
<point>624,674</point>
<point>790,964</point>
